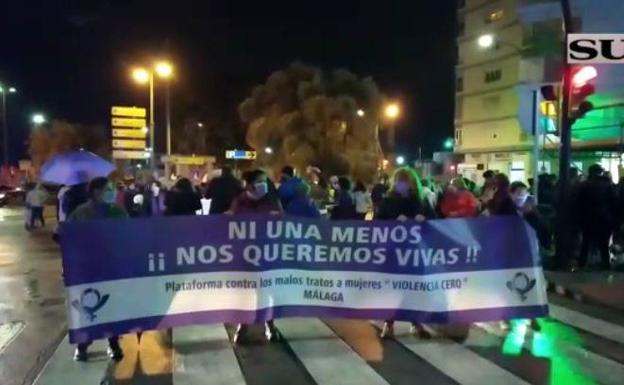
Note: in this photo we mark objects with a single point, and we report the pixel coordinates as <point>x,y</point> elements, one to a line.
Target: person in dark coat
<point>100,205</point>
<point>74,197</point>
<point>345,204</point>
<point>257,198</point>
<point>404,201</point>
<point>379,191</point>
<point>222,190</point>
<point>500,202</point>
<point>182,200</point>
<point>288,185</point>
<point>302,205</point>
<point>597,209</point>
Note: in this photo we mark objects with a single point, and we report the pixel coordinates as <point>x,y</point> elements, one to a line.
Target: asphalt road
<point>579,344</point>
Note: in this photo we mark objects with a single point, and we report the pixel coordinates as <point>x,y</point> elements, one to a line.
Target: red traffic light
<point>584,74</point>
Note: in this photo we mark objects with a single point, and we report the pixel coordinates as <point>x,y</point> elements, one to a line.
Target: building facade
<point>527,53</point>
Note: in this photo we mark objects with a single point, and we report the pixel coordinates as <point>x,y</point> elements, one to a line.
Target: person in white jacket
<point>363,201</point>
<point>35,201</point>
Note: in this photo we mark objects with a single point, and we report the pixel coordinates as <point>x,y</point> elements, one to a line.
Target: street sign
<point>133,112</point>
<point>129,133</point>
<point>129,143</point>
<point>240,154</point>
<point>190,160</point>
<point>127,154</point>
<point>128,122</point>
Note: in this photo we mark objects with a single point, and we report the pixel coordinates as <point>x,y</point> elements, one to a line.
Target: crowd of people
<point>403,196</point>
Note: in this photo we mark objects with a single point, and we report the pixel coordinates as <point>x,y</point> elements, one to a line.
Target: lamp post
<point>5,125</point>
<point>38,119</point>
<point>142,75</point>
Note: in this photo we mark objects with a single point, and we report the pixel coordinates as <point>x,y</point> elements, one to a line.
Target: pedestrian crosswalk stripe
<point>61,369</point>
<point>215,364</point>
<point>593,325</point>
<point>603,369</point>
<point>328,359</point>
<point>456,361</point>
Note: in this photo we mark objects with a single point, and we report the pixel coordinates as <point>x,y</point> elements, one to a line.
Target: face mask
<point>155,190</point>
<point>109,196</point>
<point>520,200</point>
<point>261,189</point>
<point>402,188</point>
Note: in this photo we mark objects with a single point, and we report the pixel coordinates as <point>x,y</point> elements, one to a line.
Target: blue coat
<point>302,206</point>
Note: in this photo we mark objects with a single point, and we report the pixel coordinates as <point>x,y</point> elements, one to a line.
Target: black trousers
<point>36,214</point>
<point>597,237</point>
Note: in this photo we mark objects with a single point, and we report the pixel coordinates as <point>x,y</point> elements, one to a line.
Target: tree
<point>309,117</point>
<point>61,136</point>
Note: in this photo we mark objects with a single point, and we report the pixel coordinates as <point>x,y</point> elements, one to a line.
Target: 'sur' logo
<point>90,302</point>
<point>521,284</point>
<point>156,262</point>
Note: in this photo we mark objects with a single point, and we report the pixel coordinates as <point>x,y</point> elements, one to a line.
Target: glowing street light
<point>5,125</point>
<point>392,111</point>
<point>141,75</point>
<point>12,90</point>
<point>38,119</point>
<point>486,41</point>
<point>448,144</point>
<point>360,113</point>
<point>268,150</point>
<point>400,160</point>
<point>163,69</point>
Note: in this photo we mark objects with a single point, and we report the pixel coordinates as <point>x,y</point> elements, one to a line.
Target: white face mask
<point>155,190</point>
<point>520,200</point>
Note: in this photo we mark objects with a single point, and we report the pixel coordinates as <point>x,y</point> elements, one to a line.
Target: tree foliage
<point>309,117</point>
<point>61,136</point>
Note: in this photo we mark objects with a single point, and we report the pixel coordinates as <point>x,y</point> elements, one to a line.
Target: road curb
<point>575,295</point>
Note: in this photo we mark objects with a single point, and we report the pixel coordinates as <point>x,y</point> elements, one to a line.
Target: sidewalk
<point>597,288</point>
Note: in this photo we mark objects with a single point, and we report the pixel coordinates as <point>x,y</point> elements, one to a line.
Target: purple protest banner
<point>139,274</point>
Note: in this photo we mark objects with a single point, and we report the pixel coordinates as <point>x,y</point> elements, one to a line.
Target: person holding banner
<point>101,205</point>
<point>404,201</point>
<point>257,198</point>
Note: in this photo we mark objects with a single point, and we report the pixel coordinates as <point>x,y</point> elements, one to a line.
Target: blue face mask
<point>261,189</point>
<point>402,188</point>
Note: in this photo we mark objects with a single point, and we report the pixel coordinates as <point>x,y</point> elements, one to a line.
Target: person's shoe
<point>80,355</point>
<point>419,331</point>
<point>114,352</point>
<point>270,332</point>
<point>387,330</point>
<point>239,334</point>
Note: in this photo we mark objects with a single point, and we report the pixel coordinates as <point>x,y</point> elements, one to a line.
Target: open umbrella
<point>75,167</point>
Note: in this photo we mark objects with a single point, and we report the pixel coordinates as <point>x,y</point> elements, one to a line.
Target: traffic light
<point>580,90</point>
<point>549,108</point>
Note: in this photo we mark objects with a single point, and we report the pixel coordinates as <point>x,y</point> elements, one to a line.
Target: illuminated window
<point>458,136</point>
<point>493,16</point>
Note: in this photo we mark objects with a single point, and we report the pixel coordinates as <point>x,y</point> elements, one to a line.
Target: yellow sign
<point>190,160</point>
<point>128,143</point>
<point>128,122</point>
<point>548,108</point>
<point>129,133</point>
<point>125,154</point>
<point>133,112</point>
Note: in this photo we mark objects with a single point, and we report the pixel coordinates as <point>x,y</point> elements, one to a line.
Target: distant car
<point>9,193</point>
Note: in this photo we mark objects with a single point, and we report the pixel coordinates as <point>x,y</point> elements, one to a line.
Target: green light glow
<point>546,345</point>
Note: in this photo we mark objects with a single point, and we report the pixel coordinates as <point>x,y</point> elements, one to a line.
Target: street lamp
<point>400,160</point>
<point>448,144</point>
<point>485,41</point>
<point>38,119</point>
<point>391,112</point>
<point>5,125</point>
<point>360,113</point>
<point>268,150</point>
<point>163,69</point>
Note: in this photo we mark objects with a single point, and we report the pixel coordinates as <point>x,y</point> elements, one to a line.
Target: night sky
<point>71,59</point>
